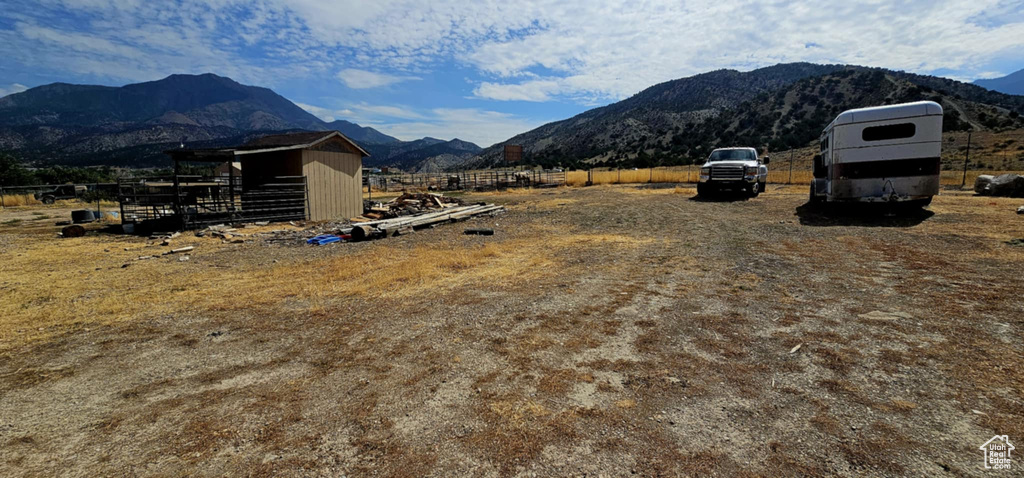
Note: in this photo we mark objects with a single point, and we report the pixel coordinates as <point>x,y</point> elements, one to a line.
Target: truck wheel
<point>754,189</point>
<point>703,190</point>
<point>763,184</point>
<point>49,200</point>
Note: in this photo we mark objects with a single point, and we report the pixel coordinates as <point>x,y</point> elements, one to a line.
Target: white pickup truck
<point>735,169</point>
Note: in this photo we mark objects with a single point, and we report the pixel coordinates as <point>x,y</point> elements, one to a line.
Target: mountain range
<point>776,108</point>
<point>1012,84</point>
<point>131,125</point>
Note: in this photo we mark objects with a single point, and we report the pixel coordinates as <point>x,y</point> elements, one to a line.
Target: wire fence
<point>962,162</point>
<point>479,180</point>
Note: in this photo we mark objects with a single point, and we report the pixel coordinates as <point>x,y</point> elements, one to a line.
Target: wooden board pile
<point>408,204</point>
<point>406,224</point>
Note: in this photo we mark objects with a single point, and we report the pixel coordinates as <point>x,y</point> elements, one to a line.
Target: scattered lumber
<point>406,224</point>
<point>408,204</point>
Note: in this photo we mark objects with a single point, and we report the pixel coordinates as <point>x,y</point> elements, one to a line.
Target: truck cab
<point>737,169</point>
<point>67,191</point>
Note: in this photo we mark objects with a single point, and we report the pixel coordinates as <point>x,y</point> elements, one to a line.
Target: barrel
<point>81,216</point>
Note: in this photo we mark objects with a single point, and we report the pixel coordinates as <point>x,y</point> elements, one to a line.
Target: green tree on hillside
<point>12,173</point>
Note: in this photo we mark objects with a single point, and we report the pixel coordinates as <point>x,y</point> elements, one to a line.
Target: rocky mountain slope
<point>774,108</point>
<point>1012,84</point>
<point>423,155</point>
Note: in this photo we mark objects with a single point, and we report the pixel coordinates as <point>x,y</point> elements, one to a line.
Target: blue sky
<point>485,70</point>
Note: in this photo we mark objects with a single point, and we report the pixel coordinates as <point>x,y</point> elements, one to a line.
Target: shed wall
<point>335,181</point>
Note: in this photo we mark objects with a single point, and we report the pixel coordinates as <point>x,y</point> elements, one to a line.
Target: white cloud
<point>386,111</point>
<point>582,50</point>
<point>12,89</point>
<point>325,114</point>
<point>482,127</point>
<point>533,90</point>
<point>361,79</point>
<point>539,50</point>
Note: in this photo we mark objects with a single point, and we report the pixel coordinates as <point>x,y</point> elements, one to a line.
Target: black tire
<point>754,189</point>
<point>49,199</point>
<point>813,198</point>
<point>703,190</point>
<point>764,185</point>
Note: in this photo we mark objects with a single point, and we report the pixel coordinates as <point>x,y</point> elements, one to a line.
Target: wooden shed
<point>327,162</point>
<point>330,162</point>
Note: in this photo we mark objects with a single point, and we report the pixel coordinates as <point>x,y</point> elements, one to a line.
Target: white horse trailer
<point>880,154</point>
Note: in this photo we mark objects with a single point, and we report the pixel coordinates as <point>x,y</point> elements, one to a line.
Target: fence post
<point>791,153</point>
<point>231,190</point>
<point>967,160</point>
<point>2,204</point>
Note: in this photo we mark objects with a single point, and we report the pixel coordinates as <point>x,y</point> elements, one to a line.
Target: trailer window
<point>824,144</point>
<point>889,131</point>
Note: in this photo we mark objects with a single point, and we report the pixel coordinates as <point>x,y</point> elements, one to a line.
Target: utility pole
<point>967,160</point>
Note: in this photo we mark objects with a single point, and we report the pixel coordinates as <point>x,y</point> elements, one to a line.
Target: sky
<point>485,70</point>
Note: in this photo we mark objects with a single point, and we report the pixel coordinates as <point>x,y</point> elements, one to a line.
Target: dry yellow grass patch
<point>49,286</point>
<point>16,200</point>
<point>781,175</point>
<point>626,403</point>
<point>629,176</point>
<point>515,413</point>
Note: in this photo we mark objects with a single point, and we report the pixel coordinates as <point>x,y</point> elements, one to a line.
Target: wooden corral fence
<point>194,202</point>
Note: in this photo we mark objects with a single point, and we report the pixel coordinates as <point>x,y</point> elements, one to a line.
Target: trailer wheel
<point>49,199</point>
<point>814,198</point>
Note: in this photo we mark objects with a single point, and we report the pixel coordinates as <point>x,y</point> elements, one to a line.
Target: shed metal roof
<point>265,144</point>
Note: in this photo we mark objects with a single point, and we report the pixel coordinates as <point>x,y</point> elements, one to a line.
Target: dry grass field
<point>604,331</point>
<point>17,200</point>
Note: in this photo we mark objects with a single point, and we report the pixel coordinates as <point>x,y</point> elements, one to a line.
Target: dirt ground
<point>604,331</point>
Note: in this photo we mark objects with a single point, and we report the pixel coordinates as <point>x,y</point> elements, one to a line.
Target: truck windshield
<point>732,155</point>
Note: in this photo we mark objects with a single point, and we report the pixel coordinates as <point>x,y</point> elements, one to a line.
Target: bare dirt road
<point>606,331</point>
